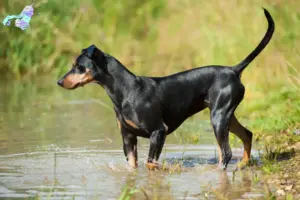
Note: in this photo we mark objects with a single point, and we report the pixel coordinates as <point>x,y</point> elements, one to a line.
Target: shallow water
<point>59,144</point>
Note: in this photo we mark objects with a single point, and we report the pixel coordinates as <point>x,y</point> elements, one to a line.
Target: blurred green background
<point>161,37</point>
<point>151,38</point>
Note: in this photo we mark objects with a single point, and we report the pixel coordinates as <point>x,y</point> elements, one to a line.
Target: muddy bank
<point>287,179</point>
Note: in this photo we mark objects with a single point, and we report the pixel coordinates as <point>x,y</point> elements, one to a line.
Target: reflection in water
<point>59,144</point>
<point>218,186</point>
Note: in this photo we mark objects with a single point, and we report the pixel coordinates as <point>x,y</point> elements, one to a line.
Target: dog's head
<point>89,67</point>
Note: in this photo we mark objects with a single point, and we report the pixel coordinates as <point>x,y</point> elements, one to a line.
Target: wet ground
<point>59,144</point>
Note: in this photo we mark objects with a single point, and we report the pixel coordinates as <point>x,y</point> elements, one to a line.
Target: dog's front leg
<point>157,141</point>
<point>130,147</point>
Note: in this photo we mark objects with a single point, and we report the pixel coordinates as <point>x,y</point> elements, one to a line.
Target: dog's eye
<point>81,69</point>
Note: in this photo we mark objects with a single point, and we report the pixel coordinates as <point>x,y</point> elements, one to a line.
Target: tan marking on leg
<point>247,152</point>
<point>132,160</point>
<point>119,124</point>
<point>131,123</point>
<point>220,154</point>
<point>240,131</point>
<point>166,128</point>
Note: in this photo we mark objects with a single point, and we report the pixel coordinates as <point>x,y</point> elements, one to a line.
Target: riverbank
<point>287,178</point>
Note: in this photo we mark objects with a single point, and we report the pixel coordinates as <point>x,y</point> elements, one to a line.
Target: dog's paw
<point>152,166</point>
<point>131,168</point>
<point>222,166</point>
<point>241,165</point>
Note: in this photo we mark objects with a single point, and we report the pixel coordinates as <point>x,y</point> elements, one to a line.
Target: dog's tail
<point>263,43</point>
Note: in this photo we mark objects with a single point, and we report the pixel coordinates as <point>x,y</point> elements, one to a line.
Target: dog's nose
<point>60,82</point>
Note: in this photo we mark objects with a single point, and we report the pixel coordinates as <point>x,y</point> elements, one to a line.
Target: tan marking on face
<point>119,124</point>
<point>74,80</point>
<point>131,123</point>
<point>132,160</point>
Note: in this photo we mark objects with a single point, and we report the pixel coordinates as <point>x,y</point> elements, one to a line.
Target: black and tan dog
<point>153,107</point>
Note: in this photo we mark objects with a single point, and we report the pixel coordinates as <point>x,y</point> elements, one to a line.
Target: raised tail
<point>263,43</point>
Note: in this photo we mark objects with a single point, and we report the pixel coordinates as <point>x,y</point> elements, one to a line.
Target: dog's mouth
<point>79,84</point>
<point>71,85</point>
<point>73,81</point>
<point>76,85</point>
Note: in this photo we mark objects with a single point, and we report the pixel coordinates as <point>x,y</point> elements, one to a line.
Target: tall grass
<point>160,37</point>
<point>60,29</point>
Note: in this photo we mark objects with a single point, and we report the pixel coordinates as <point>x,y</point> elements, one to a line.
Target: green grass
<point>127,193</point>
<point>62,28</point>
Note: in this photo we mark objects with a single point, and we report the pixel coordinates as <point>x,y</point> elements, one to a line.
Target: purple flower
<point>22,24</point>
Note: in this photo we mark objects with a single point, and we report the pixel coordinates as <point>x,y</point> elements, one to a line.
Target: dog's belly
<point>173,118</point>
<point>141,133</point>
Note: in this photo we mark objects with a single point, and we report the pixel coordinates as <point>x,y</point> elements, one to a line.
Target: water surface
<point>60,144</point>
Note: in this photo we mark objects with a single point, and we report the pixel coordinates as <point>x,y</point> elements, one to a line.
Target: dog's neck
<point>117,81</point>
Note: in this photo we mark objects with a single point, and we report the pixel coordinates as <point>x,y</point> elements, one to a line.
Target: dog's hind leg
<point>220,122</point>
<point>246,136</point>
<point>222,105</point>
<point>220,126</point>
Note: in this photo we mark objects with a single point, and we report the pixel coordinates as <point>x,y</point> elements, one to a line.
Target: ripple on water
<point>68,172</point>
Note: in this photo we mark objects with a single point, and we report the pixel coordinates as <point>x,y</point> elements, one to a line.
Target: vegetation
<point>161,37</point>
<point>60,29</point>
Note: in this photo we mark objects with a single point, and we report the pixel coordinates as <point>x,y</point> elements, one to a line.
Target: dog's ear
<point>98,56</point>
<point>90,50</point>
<point>95,53</point>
